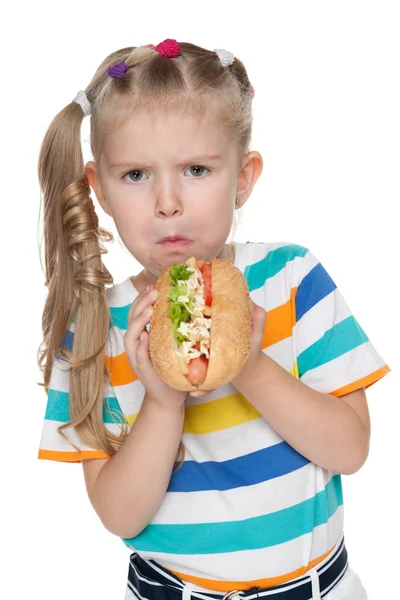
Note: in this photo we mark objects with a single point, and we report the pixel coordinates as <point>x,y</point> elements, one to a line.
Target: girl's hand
<point>136,343</point>
<point>258,318</point>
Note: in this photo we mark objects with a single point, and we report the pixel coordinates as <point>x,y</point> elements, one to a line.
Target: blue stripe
<point>250,469</point>
<point>248,534</point>
<point>57,408</point>
<point>335,342</point>
<point>275,260</point>
<point>66,343</point>
<point>315,286</point>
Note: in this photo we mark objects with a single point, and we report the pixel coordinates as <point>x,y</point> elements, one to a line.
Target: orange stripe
<point>227,586</point>
<point>120,368</point>
<point>293,294</point>
<point>278,325</point>
<point>71,456</point>
<point>364,382</point>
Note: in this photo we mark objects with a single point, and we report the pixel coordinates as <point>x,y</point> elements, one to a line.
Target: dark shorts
<point>147,580</point>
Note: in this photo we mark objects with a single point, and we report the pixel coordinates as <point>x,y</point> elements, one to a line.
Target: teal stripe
<point>338,340</point>
<point>249,534</point>
<point>271,264</point>
<point>58,408</point>
<point>119,316</point>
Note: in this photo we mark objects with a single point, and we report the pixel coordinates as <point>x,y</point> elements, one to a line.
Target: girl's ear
<point>94,182</point>
<point>252,167</point>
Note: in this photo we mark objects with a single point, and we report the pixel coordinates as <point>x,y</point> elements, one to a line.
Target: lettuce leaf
<point>178,272</point>
<point>178,290</point>
<point>177,311</point>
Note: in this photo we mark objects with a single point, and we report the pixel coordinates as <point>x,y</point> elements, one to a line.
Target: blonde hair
<point>195,81</point>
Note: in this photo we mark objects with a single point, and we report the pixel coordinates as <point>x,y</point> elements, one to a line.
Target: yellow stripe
<point>215,415</point>
<point>131,419</point>
<point>219,414</point>
<point>295,370</point>
<point>227,586</point>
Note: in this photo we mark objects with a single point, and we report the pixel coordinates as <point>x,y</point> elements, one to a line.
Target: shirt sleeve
<point>53,446</point>
<point>333,353</point>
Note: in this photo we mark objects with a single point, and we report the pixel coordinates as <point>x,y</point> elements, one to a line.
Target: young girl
<point>232,492</point>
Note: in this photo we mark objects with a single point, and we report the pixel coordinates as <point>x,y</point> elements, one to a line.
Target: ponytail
<point>76,278</point>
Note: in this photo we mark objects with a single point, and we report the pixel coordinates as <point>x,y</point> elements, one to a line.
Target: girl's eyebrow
<point>192,160</point>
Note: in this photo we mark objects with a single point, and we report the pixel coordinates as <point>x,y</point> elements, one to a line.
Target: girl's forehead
<point>171,121</point>
<point>175,134</point>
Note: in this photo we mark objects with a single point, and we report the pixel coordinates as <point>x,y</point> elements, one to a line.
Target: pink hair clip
<point>168,48</point>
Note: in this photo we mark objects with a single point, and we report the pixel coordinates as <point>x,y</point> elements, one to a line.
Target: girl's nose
<point>168,204</point>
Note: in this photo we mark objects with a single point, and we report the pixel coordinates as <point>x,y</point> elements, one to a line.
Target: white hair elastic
<point>225,56</point>
<point>82,99</point>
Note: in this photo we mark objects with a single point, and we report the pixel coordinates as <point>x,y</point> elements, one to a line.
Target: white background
<point>326,121</point>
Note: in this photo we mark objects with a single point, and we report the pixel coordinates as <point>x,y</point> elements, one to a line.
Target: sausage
<point>197,370</point>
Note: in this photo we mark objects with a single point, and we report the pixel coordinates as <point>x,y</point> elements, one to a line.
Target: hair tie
<point>118,70</point>
<point>225,56</point>
<point>82,99</point>
<point>168,48</point>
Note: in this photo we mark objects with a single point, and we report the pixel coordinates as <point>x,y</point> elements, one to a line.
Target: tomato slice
<point>206,272</point>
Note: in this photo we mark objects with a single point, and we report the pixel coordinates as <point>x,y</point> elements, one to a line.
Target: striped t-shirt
<point>245,509</point>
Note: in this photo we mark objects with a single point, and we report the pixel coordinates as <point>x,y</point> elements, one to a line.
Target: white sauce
<point>197,329</point>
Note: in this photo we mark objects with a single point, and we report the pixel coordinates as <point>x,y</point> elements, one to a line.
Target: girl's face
<point>168,176</point>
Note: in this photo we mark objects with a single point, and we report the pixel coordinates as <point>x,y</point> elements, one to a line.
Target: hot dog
<point>200,330</point>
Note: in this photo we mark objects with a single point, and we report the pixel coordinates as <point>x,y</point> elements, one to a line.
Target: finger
<point>144,299</point>
<point>142,353</point>
<point>138,325</point>
<point>133,307</point>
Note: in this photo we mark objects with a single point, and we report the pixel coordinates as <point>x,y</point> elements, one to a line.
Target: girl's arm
<point>131,485</point>
<point>329,431</point>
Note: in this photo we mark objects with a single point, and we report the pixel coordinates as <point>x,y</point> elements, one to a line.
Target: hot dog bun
<point>230,330</point>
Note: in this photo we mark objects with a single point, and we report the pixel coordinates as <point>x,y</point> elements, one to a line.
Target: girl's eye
<point>198,167</point>
<point>135,172</point>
